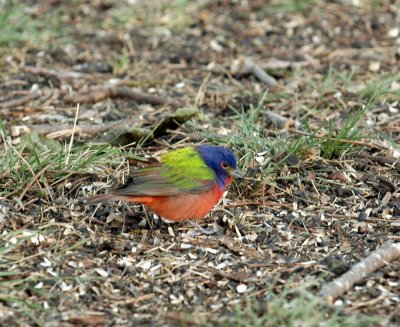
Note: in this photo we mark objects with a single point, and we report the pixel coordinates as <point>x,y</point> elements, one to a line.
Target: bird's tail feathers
<point>104,198</point>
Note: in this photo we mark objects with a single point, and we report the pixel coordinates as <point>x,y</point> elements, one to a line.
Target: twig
<point>73,133</point>
<point>275,63</point>
<point>21,101</point>
<point>386,253</point>
<point>54,131</point>
<point>202,91</point>
<point>101,93</point>
<point>351,52</point>
<point>245,66</point>
<point>258,203</point>
<point>385,161</point>
<point>124,132</point>
<point>53,73</point>
<point>180,319</point>
<point>369,145</point>
<point>280,121</point>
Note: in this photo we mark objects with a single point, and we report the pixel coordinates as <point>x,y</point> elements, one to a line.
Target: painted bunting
<point>185,184</point>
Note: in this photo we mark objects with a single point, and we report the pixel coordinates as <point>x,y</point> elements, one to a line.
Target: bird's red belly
<point>185,206</point>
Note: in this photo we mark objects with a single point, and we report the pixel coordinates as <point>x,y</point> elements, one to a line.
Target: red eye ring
<point>224,164</point>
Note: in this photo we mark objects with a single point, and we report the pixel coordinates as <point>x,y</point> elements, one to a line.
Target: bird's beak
<point>236,173</point>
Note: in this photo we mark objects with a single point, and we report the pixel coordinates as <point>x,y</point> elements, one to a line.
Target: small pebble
<point>241,288</point>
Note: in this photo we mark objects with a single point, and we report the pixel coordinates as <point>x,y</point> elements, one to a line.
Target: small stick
<point>263,203</point>
<point>180,319</point>
<point>73,133</point>
<point>385,161</point>
<point>66,130</point>
<point>20,101</point>
<point>280,121</point>
<point>247,66</point>
<point>53,73</point>
<point>101,93</point>
<point>385,254</point>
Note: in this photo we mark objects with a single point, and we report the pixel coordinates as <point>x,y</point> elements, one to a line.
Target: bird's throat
<point>224,182</point>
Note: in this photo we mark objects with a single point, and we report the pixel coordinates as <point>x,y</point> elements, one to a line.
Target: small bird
<point>185,184</point>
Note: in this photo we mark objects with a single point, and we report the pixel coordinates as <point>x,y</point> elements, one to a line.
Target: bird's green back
<point>186,162</point>
<point>179,171</point>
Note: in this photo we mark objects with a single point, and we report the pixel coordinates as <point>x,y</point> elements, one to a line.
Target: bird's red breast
<point>183,207</point>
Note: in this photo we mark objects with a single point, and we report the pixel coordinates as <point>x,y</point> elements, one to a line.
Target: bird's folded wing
<point>163,180</point>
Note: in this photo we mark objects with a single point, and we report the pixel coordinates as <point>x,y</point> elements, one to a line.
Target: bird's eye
<point>224,164</point>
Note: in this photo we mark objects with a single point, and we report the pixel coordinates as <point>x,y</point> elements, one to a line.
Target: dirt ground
<point>318,143</point>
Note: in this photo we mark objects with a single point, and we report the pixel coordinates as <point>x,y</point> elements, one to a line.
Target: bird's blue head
<point>222,161</point>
